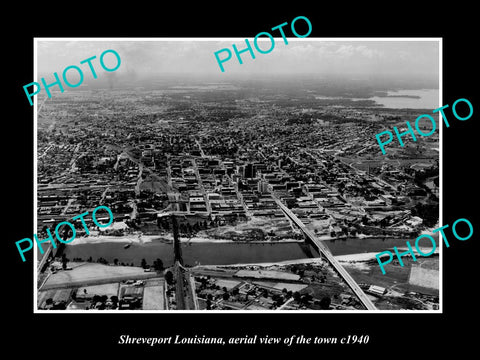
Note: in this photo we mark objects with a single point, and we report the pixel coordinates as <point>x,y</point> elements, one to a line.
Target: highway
<point>326,252</point>
<point>179,287</point>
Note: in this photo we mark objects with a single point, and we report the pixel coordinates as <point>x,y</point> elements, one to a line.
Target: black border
<point>406,334</point>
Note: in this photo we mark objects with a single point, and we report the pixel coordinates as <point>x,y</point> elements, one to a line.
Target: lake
<point>428,99</point>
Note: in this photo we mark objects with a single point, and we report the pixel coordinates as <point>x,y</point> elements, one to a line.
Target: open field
<point>93,273</point>
<point>428,278</point>
<point>153,295</point>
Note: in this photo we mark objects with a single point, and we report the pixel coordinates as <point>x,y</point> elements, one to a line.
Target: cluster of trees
<point>157,264</point>
<point>185,228</point>
<point>100,260</point>
<point>299,269</point>
<point>169,277</point>
<point>428,212</point>
<point>325,303</point>
<point>100,302</point>
<point>49,304</point>
<point>116,263</point>
<point>278,299</point>
<point>306,299</point>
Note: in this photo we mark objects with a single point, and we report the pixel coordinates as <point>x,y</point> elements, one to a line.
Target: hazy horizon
<point>306,59</point>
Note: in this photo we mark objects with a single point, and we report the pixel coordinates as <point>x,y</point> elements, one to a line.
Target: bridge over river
<point>328,255</point>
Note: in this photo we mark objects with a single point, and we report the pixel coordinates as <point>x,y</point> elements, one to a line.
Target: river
<point>208,253</point>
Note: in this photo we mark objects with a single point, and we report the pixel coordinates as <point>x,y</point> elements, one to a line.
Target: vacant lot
<point>94,274</point>
<point>428,278</point>
<point>104,289</point>
<point>153,295</point>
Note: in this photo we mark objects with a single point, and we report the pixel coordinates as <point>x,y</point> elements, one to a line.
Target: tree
<point>325,303</point>
<point>115,262</point>
<point>137,303</point>
<point>296,296</point>
<point>182,228</point>
<point>196,227</point>
<point>226,296</point>
<point>64,262</point>
<point>59,306</point>
<point>166,225</point>
<point>169,277</point>
<point>143,264</point>
<point>306,298</point>
<point>158,264</point>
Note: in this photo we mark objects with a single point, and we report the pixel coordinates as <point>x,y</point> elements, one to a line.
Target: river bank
<point>168,239</point>
<point>98,238</point>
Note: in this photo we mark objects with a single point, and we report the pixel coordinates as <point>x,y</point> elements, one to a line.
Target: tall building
<point>262,186</point>
<point>249,171</point>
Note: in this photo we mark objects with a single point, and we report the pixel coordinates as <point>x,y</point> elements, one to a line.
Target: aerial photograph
<point>254,189</point>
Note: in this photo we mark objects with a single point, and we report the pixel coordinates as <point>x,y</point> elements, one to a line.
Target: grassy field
<point>423,277</point>
<point>93,274</point>
<point>153,295</point>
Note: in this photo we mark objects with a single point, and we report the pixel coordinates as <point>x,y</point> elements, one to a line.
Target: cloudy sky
<point>307,56</point>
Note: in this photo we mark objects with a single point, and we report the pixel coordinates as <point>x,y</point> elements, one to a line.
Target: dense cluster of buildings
<point>228,162</point>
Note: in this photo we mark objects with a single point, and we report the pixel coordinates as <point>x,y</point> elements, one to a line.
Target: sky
<point>362,59</point>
